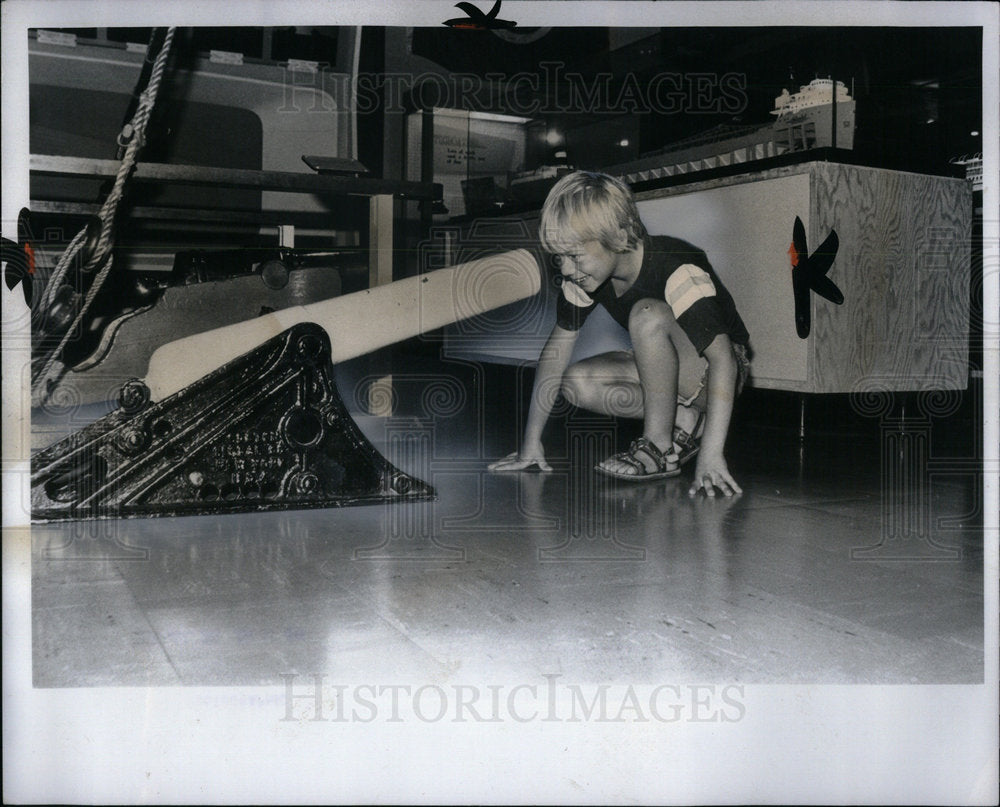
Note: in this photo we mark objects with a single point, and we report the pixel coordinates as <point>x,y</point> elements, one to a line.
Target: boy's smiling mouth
<point>588,283</point>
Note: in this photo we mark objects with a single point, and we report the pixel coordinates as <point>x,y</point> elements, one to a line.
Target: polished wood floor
<point>854,555</point>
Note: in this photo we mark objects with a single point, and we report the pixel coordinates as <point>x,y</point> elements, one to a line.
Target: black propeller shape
<point>20,258</point>
<point>809,272</point>
<point>477,20</point>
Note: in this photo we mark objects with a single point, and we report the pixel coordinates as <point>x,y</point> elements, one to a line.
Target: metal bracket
<point>267,431</point>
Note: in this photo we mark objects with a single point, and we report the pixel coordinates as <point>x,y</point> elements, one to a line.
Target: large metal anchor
<point>248,417</point>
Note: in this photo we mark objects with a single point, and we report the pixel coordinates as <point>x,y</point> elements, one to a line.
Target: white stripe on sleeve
<point>687,285</point>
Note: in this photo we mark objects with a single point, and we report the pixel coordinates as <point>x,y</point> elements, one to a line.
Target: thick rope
<point>135,134</point>
<point>132,134</point>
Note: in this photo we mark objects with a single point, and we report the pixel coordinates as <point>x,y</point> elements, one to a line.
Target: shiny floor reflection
<point>825,570</point>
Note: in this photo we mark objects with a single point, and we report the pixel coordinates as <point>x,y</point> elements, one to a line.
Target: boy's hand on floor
<point>711,473</point>
<point>519,462</point>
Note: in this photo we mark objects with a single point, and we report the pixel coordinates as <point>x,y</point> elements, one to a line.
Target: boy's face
<point>587,263</point>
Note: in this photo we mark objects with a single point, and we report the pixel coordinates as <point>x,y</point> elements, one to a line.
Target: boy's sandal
<point>688,443</point>
<point>664,464</point>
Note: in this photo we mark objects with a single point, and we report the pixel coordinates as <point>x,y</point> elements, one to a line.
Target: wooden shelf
<point>286,181</point>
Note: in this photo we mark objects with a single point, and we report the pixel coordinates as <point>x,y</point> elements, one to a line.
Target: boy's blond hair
<point>587,206</point>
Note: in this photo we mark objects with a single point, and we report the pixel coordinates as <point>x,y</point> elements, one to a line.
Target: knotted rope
<point>133,137</point>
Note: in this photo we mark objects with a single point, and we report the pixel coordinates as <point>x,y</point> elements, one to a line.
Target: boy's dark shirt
<point>702,319</point>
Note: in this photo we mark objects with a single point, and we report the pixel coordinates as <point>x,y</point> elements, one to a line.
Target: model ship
<point>820,114</point>
<point>973,164</point>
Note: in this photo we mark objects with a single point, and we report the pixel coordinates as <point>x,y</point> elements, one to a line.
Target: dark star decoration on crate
<point>477,20</point>
<point>20,258</point>
<point>809,272</point>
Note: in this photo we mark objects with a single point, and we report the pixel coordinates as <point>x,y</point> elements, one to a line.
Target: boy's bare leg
<point>607,384</point>
<point>687,418</point>
<point>610,383</point>
<point>656,361</point>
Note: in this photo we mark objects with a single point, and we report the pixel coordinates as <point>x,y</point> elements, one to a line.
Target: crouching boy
<point>689,356</point>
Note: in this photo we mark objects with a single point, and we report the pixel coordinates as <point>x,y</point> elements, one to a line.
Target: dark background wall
<point>918,90</point>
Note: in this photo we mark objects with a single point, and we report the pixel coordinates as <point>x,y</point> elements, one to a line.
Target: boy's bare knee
<point>648,314</point>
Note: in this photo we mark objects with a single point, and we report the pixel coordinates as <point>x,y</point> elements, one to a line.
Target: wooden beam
<point>361,322</point>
